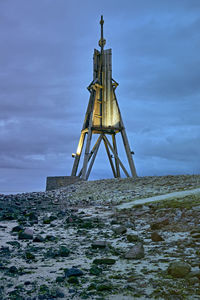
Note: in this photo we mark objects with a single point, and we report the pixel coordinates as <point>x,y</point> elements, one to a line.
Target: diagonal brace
<point>116,156</point>
<point>93,156</point>
<point>109,157</point>
<point>90,155</point>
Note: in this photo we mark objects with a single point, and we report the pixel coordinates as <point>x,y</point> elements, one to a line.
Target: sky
<point>46,63</point>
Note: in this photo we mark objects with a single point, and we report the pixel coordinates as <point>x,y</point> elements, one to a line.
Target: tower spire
<point>102,41</point>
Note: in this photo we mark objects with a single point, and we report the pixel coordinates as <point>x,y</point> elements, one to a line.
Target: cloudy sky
<point>46,64</point>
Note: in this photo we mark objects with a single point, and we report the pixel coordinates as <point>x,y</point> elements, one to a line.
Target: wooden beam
<point>128,153</point>
<point>89,137</point>
<point>94,156</point>
<point>91,153</point>
<point>78,154</point>
<point>116,156</point>
<point>126,144</point>
<point>109,157</point>
<point>116,161</point>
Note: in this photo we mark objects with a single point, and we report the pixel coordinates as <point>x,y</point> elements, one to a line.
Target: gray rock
<point>179,269</point>
<point>26,234</point>
<point>50,238</point>
<point>99,244</point>
<point>136,252</point>
<point>63,251</point>
<point>73,272</point>
<point>38,239</point>
<point>119,229</point>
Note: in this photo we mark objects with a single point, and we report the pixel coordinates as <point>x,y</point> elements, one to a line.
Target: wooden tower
<point>102,118</point>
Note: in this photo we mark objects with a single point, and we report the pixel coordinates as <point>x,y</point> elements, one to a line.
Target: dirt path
<point>158,198</point>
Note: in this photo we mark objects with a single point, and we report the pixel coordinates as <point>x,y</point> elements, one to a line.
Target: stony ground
<point>74,243</point>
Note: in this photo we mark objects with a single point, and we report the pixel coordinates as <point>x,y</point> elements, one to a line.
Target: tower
<point>102,118</point>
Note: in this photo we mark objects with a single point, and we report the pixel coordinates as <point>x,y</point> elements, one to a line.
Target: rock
<point>63,251</point>
<point>195,230</point>
<point>99,244</point>
<point>195,273</point>
<point>38,239</point>
<point>159,223</point>
<point>136,252</point>
<point>29,255</point>
<point>44,292</point>
<point>119,229</point>
<point>33,217</point>
<point>73,279</point>
<point>8,216</point>
<point>129,224</point>
<point>156,237</point>
<point>15,244</point>
<point>104,287</point>
<point>50,238</point>
<point>17,228</point>
<point>26,234</point>
<point>133,238</point>
<point>196,236</point>
<point>95,271</point>
<point>179,269</point>
<point>13,270</point>
<point>59,294</point>
<point>46,220</point>
<point>60,279</point>
<point>73,272</point>
<point>193,280</point>
<point>104,261</point>
<point>5,251</point>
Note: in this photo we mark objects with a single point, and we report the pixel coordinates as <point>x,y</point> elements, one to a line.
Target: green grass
<point>186,202</point>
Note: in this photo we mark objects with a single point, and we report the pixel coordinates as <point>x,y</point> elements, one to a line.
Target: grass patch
<point>186,202</point>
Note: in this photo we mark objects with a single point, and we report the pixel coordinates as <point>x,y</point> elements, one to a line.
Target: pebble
<point>158,224</point>
<point>156,237</point>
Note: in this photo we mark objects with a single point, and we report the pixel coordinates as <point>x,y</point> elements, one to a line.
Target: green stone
<point>104,261</point>
<point>73,279</point>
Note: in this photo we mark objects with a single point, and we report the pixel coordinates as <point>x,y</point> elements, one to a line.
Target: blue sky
<point>46,64</point>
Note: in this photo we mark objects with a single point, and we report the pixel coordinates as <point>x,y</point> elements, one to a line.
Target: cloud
<point>46,65</point>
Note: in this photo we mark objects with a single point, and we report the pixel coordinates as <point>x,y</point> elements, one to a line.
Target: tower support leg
<point>110,158</point>
<point>116,161</point>
<point>116,156</point>
<point>78,154</point>
<point>89,137</point>
<point>94,156</point>
<point>87,153</point>
<point>128,153</point>
<point>91,153</point>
